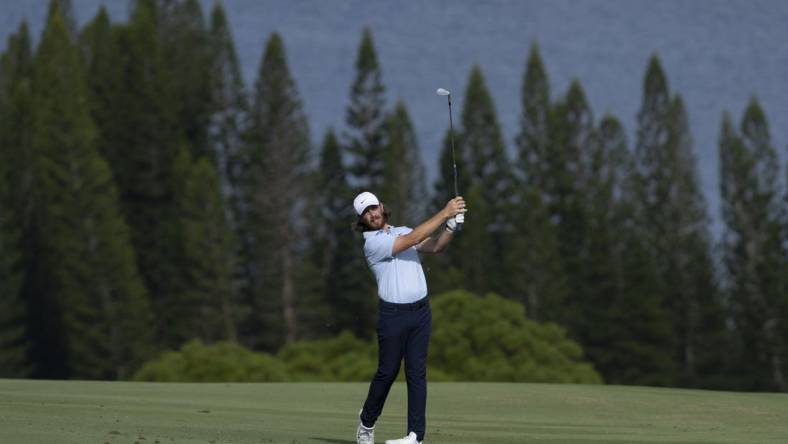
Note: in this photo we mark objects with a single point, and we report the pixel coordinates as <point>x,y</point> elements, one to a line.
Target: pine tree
<point>94,296</point>
<point>14,343</point>
<point>229,106</point>
<point>16,127</point>
<point>490,187</point>
<point>16,198</point>
<point>702,322</point>
<point>563,181</point>
<point>533,258</point>
<point>532,140</point>
<point>625,330</point>
<point>568,171</point>
<point>754,258</point>
<point>186,54</point>
<point>101,57</point>
<point>64,8</point>
<point>343,295</point>
<point>366,118</point>
<point>230,109</point>
<point>206,305</point>
<point>140,127</point>
<point>623,327</point>
<point>674,211</point>
<point>404,190</point>
<point>602,274</point>
<point>276,161</point>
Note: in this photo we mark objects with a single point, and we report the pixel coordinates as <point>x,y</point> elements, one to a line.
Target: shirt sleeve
<point>378,248</point>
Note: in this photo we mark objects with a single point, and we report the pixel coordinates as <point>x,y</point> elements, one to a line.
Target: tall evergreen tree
<point>229,112</point>
<point>674,211</point>
<point>103,62</point>
<point>754,257</point>
<point>140,122</point>
<point>66,11</point>
<point>229,105</point>
<point>343,297</point>
<point>366,118</point>
<point>16,204</point>
<point>489,189</point>
<point>16,127</point>
<point>14,343</point>
<point>93,295</point>
<point>186,54</point>
<point>563,177</point>
<point>276,162</point>
<point>533,258</point>
<point>532,141</point>
<point>405,190</point>
<point>622,325</point>
<point>602,266</point>
<point>207,307</point>
<point>568,171</point>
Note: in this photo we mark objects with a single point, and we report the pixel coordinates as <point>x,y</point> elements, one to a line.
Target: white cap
<point>363,200</point>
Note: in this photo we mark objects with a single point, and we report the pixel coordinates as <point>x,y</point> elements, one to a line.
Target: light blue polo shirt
<point>400,277</point>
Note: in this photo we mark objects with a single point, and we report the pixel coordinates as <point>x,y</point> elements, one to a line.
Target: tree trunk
<point>288,294</point>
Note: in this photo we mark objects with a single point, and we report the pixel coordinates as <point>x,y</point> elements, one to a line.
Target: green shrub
<point>473,339</point>
<point>490,339</point>
<point>342,358</point>
<point>220,362</point>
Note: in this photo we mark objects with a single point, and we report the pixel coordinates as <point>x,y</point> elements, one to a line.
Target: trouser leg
<point>390,351</point>
<point>416,371</point>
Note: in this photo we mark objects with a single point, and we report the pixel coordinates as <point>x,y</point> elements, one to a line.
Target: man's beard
<point>377,223</point>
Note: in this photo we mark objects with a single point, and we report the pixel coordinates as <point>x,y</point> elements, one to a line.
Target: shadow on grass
<point>335,441</point>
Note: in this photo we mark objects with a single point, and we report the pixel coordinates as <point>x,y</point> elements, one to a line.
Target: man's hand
<point>454,207</point>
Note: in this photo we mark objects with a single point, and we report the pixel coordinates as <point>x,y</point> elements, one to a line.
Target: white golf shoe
<point>410,439</point>
<point>364,435</point>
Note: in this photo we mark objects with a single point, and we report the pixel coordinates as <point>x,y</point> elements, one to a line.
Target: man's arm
<point>423,231</point>
<point>436,244</point>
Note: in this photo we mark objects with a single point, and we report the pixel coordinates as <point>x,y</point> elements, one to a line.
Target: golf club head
<point>443,92</point>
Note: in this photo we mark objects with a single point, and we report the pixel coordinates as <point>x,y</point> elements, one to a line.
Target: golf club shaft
<point>453,155</point>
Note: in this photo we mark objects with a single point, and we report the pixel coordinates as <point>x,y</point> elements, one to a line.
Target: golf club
<point>447,93</point>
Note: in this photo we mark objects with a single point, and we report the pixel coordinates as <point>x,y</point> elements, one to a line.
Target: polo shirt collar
<point>385,229</point>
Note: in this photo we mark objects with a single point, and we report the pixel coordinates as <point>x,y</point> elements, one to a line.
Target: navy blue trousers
<point>403,332</point>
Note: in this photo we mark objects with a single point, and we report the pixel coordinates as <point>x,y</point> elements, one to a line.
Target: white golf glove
<point>451,223</point>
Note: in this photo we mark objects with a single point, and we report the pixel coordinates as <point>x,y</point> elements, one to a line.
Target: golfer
<point>404,315</point>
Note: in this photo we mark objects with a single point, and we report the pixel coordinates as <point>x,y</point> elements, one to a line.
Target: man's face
<point>373,217</point>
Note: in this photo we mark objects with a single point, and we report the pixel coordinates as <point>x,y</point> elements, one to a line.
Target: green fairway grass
<point>326,413</point>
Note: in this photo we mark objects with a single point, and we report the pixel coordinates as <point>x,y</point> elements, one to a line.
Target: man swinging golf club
<point>404,317</point>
